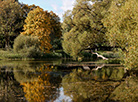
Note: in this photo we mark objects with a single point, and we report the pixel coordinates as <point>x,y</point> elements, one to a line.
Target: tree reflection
<point>82,88</point>
<point>41,89</point>
<point>10,89</point>
<point>41,84</point>
<point>108,73</point>
<point>25,73</point>
<point>127,91</point>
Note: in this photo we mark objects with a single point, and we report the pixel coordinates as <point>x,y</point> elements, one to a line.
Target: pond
<point>60,81</point>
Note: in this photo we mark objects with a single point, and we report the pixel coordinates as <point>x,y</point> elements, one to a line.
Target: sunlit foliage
<point>23,42</point>
<point>28,45</point>
<point>27,8</point>
<point>122,25</point>
<point>44,25</point>
<point>82,27</point>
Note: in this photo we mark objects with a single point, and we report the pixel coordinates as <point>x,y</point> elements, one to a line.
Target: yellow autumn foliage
<point>38,91</point>
<point>42,24</point>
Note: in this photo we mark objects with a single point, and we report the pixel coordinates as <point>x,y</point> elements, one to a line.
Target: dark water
<point>49,81</point>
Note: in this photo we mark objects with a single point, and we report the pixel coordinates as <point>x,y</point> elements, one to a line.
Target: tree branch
<point>101,56</point>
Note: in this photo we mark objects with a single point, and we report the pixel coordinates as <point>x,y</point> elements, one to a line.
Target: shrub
<point>24,42</point>
<point>27,45</point>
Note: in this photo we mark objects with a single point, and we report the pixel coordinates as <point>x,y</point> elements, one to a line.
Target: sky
<point>57,6</point>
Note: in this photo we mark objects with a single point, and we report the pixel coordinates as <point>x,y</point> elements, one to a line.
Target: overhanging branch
<point>100,56</point>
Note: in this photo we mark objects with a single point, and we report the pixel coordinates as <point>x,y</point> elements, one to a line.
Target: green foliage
<point>9,55</point>
<point>27,45</point>
<point>82,27</point>
<point>29,54</point>
<point>79,86</point>
<point>87,54</point>
<point>122,25</point>
<point>127,91</point>
<point>56,44</point>
<point>50,55</point>
<point>114,61</point>
<point>25,74</point>
<point>11,20</point>
<point>110,54</point>
<point>24,42</point>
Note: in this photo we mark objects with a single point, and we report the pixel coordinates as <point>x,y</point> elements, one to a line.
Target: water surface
<point>55,81</point>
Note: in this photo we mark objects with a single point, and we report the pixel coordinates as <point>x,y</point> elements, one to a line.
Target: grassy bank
<point>11,55</point>
<point>114,57</point>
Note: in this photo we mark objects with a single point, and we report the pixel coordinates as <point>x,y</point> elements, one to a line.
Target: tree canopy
<point>82,27</point>
<point>122,27</point>
<point>11,19</point>
<point>27,8</point>
<point>44,25</point>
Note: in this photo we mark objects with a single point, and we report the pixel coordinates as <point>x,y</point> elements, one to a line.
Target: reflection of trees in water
<point>108,73</point>
<point>25,73</point>
<point>127,91</point>
<point>40,85</point>
<point>41,89</point>
<point>86,89</point>
<point>82,89</point>
<point>10,89</point>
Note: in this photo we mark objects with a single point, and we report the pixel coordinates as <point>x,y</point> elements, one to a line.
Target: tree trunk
<point>7,42</point>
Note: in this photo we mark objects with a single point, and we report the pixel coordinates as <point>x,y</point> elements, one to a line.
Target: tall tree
<point>11,19</point>
<point>82,27</point>
<point>44,25</point>
<point>122,25</point>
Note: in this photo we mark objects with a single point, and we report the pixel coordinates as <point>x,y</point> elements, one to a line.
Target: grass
<point>11,55</point>
<point>114,57</point>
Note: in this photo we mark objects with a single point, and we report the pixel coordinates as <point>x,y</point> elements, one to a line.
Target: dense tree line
<point>11,20</point>
<point>99,22</point>
<point>91,24</point>
<point>16,18</point>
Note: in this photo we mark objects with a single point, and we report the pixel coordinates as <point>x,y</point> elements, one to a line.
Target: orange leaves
<point>26,8</point>
<point>42,24</point>
<point>38,91</point>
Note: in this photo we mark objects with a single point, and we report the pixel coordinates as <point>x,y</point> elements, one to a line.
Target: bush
<point>23,42</point>
<point>28,45</point>
<point>9,55</point>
